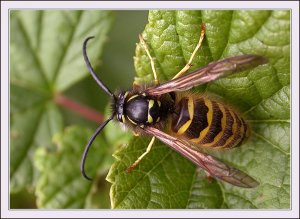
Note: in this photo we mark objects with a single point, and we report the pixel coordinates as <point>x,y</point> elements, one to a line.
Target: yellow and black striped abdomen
<point>206,122</point>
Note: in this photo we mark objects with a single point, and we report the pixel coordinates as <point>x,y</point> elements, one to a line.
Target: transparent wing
<point>209,73</point>
<point>208,163</point>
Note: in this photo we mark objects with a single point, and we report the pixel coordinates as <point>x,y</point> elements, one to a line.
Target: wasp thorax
<point>138,109</point>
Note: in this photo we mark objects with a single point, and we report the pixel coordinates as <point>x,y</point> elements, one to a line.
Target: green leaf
<point>45,60</point>
<point>155,183</point>
<point>60,184</point>
<point>165,179</point>
<point>29,129</point>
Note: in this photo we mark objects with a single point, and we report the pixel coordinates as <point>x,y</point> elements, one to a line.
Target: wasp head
<point>119,106</point>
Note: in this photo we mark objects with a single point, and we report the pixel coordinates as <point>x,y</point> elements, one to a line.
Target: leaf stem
<point>84,111</point>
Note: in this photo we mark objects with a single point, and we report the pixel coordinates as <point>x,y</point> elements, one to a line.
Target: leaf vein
<point>32,51</point>
<point>25,151</point>
<point>191,188</point>
<point>269,142</point>
<point>146,175</point>
<point>65,50</point>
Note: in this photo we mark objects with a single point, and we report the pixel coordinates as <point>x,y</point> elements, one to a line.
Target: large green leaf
<point>60,184</point>
<point>45,60</point>
<point>164,179</point>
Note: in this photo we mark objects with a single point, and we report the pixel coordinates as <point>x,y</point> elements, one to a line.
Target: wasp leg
<point>209,178</point>
<point>150,57</point>
<point>142,156</point>
<point>135,133</point>
<point>189,64</point>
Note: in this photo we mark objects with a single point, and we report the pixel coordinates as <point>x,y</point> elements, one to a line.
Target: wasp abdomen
<point>207,123</point>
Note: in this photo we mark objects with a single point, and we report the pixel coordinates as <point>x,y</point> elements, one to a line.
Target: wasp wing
<point>208,163</point>
<point>209,73</point>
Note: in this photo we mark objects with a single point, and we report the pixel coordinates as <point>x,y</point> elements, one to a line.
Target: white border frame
<point>137,5</point>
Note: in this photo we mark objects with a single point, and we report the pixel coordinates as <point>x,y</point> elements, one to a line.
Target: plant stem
<point>84,111</point>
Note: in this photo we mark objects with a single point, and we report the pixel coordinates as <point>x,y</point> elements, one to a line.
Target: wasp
<point>184,121</point>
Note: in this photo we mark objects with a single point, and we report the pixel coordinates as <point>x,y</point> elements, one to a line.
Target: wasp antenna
<point>87,147</point>
<point>91,70</point>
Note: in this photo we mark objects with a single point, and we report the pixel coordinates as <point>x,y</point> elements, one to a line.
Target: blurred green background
<point>116,71</point>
